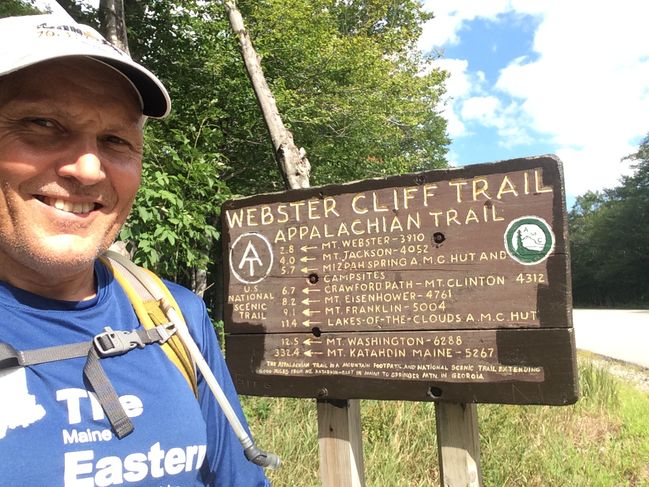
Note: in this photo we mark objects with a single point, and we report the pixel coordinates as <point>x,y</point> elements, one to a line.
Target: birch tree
<point>293,163</point>
<point>113,26</point>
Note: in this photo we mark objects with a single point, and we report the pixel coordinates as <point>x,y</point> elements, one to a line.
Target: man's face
<point>70,164</point>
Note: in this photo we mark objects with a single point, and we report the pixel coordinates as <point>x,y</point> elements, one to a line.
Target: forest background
<point>356,93</point>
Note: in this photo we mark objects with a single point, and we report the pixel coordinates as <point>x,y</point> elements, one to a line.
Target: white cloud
<point>481,108</point>
<point>452,158</point>
<point>451,14</point>
<point>490,111</point>
<point>585,87</point>
<point>458,86</point>
<point>589,87</point>
<point>593,167</point>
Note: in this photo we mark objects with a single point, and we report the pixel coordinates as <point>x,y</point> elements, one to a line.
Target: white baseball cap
<point>32,39</point>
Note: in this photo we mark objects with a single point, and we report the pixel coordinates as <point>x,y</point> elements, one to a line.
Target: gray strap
<point>107,344</point>
<point>10,357</point>
<point>106,395</point>
<point>53,354</point>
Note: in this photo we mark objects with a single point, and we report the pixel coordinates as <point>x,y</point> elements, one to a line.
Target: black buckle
<point>111,342</point>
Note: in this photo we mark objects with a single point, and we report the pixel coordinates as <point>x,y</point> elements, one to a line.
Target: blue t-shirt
<point>53,432</point>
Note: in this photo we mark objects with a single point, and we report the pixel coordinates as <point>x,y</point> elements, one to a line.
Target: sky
<point>530,77</point>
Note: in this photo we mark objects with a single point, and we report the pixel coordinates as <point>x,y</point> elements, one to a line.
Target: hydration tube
<point>252,452</point>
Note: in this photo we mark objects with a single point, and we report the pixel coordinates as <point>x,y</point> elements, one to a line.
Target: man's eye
<point>117,143</point>
<point>43,122</point>
<point>113,139</point>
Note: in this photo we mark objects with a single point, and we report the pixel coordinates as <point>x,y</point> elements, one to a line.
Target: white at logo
<point>250,257</point>
<point>255,262</point>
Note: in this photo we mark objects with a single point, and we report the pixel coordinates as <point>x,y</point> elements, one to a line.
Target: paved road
<point>620,334</point>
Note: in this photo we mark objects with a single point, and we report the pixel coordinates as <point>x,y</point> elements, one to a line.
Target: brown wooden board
<point>489,366</point>
<point>476,255</point>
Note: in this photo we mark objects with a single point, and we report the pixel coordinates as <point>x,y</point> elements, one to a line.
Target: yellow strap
<point>150,315</point>
<point>184,360</point>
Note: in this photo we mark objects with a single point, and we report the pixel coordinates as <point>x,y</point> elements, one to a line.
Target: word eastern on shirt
<point>82,470</point>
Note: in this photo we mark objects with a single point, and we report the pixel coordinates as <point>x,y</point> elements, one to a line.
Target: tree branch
<point>293,164</point>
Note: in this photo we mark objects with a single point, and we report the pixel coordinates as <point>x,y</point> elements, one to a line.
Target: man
<point>72,110</point>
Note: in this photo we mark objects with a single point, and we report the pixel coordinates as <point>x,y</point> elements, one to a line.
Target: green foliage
<point>174,217</point>
<point>9,8</point>
<point>598,387</point>
<point>174,223</point>
<point>610,240</point>
<point>350,85</point>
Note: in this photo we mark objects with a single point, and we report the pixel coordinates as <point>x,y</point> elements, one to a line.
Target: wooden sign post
<point>340,442</point>
<point>448,286</point>
<point>458,444</point>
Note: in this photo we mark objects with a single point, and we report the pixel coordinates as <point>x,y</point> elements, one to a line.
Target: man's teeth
<point>71,207</point>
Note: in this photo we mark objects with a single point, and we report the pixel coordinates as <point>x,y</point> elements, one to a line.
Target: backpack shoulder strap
<point>148,309</point>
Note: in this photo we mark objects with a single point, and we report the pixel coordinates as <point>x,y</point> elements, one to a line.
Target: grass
<point>603,440</point>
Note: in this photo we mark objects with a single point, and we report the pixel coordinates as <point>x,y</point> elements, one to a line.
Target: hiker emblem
<point>529,240</point>
<point>251,258</point>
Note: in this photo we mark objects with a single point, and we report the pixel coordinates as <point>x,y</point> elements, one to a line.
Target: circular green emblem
<point>529,240</point>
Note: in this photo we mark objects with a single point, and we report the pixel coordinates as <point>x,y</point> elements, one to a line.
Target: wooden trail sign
<point>447,285</point>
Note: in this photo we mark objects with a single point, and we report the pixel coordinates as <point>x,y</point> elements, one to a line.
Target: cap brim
<point>46,37</point>
<point>155,99</point>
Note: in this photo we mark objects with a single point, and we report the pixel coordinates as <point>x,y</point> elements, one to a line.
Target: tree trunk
<point>199,281</point>
<point>113,26</point>
<point>292,162</point>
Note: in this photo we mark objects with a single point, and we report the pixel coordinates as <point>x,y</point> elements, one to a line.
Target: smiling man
<point>70,163</point>
<point>72,111</point>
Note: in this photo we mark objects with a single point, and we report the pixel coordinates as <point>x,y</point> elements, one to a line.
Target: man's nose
<point>84,165</point>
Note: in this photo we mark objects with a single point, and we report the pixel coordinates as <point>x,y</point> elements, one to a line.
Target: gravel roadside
<point>634,374</point>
